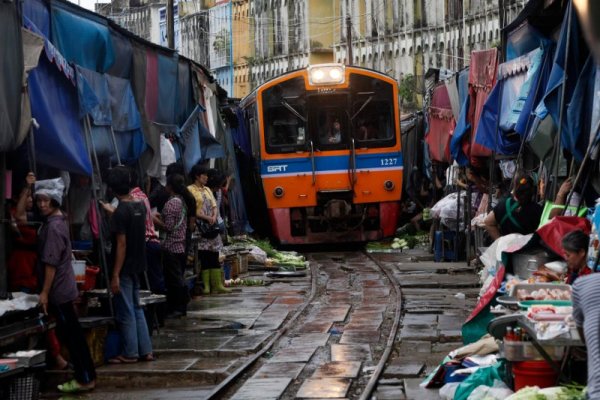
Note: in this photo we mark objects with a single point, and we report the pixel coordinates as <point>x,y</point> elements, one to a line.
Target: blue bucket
<point>227,271</point>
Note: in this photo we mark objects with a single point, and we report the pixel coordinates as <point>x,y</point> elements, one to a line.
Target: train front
<point>331,162</point>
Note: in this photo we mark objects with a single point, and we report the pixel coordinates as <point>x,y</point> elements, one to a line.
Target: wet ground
<point>337,335</point>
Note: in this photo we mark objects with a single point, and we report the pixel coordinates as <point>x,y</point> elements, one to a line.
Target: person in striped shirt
<point>586,306</point>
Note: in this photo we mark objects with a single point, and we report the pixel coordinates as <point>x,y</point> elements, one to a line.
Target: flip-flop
<point>148,358</point>
<point>122,360</point>
<point>73,386</point>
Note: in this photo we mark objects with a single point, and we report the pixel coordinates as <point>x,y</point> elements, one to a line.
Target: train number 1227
<point>389,161</point>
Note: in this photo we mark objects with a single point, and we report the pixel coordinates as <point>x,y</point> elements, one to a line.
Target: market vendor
<point>59,289</point>
<point>575,245</point>
<point>517,213</point>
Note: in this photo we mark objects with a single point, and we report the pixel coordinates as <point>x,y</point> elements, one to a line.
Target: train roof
<point>253,93</point>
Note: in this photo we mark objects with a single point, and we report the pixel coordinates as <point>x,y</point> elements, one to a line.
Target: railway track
<point>335,345</point>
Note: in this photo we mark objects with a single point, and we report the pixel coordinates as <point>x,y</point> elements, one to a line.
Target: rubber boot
<point>206,281</point>
<point>216,281</point>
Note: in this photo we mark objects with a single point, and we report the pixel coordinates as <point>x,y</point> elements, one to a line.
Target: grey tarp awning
<point>11,74</point>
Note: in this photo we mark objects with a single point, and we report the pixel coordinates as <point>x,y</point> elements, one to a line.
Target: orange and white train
<point>326,150</point>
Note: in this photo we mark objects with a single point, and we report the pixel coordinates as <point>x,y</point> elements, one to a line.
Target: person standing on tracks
<point>208,246</point>
<point>128,224</point>
<point>173,222</point>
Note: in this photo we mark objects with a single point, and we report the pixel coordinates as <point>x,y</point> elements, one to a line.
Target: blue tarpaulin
<point>82,37</point>
<point>35,13</point>
<point>189,135</point>
<point>167,89</point>
<point>241,138</point>
<point>579,112</point>
<point>123,51</point>
<point>506,102</point>
<point>109,102</point>
<point>59,141</point>
<point>210,147</point>
<point>577,54</point>
<point>185,96</point>
<point>463,127</point>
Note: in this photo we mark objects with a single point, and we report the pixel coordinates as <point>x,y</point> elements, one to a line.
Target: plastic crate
<point>24,387</point>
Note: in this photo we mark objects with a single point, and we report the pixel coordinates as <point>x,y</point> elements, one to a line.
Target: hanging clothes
<point>441,125</point>
<point>482,77</point>
<point>507,101</point>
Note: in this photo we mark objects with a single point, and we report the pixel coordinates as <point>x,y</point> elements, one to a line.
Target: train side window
<point>284,129</point>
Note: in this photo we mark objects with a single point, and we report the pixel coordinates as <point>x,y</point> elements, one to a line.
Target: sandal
<point>149,357</point>
<point>74,387</point>
<point>122,360</point>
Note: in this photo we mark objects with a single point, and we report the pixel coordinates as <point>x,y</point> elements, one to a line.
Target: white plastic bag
<point>448,390</point>
<point>497,392</point>
<point>257,255</point>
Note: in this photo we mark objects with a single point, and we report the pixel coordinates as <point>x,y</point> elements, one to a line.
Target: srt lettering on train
<point>277,168</point>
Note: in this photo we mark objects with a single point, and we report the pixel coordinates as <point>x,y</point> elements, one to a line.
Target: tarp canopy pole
<point>587,156</point>
<point>31,151</point>
<point>95,197</point>
<point>562,104</point>
<point>114,140</point>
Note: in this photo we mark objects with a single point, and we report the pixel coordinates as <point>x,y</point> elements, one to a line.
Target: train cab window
<point>331,126</point>
<point>284,117</point>
<point>372,112</point>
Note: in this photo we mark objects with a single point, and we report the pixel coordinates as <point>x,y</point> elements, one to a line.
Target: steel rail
<point>221,388</point>
<point>368,391</point>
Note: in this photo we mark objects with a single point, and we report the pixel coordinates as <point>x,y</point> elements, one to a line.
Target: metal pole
<point>581,169</point>
<point>562,102</point>
<point>349,39</point>
<point>94,158</point>
<point>114,140</point>
<point>170,25</point>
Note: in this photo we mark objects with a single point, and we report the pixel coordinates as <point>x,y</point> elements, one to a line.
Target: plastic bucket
<point>534,373</point>
<point>90,278</point>
<point>79,270</point>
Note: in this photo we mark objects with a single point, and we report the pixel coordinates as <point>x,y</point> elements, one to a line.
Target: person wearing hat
<point>59,289</point>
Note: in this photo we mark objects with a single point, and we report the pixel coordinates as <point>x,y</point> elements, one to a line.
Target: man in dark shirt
<point>129,261</point>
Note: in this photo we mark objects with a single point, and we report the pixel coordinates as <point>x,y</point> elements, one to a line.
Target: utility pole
<point>170,25</point>
<point>349,39</point>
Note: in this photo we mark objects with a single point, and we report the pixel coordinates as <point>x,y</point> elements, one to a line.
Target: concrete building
<point>291,34</point>
<point>247,42</point>
<point>147,19</point>
<point>397,37</point>
<point>410,36</point>
<point>243,47</point>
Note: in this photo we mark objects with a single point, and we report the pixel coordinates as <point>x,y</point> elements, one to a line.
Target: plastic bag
<point>257,255</point>
<point>497,392</point>
<point>484,376</point>
<point>447,391</point>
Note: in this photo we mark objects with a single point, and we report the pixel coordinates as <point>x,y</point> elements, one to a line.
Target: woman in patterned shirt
<point>173,222</point>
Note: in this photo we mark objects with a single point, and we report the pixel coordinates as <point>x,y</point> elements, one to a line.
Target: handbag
<point>208,231</point>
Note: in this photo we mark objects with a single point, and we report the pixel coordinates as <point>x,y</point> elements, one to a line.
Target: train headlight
<point>388,185</point>
<point>326,74</point>
<point>278,192</point>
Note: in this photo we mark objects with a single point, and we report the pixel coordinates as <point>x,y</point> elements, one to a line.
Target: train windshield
<point>372,111</point>
<point>285,116</point>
